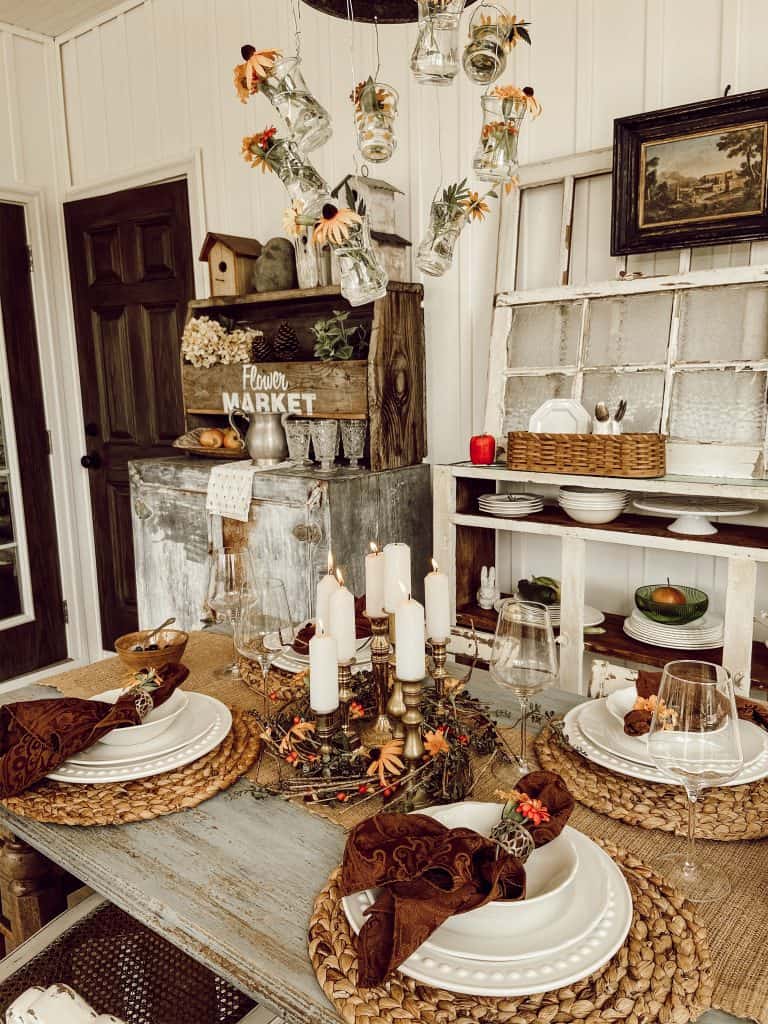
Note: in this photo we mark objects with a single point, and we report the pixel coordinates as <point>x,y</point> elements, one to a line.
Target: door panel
<point>130,258</point>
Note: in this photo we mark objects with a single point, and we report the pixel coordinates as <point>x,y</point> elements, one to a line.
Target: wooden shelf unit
<point>466,539</point>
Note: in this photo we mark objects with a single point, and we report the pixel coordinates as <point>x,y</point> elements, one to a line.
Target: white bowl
<point>621,702</point>
<point>156,722</point>
<point>594,502</point>
<point>550,875</point>
<point>593,516</point>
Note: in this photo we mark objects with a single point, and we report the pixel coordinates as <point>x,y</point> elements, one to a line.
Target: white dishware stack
<point>596,728</point>
<point>576,915</point>
<point>510,506</point>
<point>592,616</point>
<point>705,633</point>
<point>591,505</point>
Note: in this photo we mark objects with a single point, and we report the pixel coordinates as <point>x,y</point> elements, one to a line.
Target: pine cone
<point>286,346</point>
<point>261,350</point>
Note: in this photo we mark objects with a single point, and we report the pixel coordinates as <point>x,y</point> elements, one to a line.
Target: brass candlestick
<point>395,704</point>
<point>437,669</point>
<point>413,748</point>
<point>325,730</point>
<point>380,652</point>
<point>346,694</point>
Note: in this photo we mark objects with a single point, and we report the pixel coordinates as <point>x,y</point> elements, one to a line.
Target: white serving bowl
<point>593,516</point>
<point>550,875</point>
<point>156,722</point>
<point>621,702</point>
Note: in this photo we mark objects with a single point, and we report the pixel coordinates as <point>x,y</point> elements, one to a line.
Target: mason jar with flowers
<point>492,34</point>
<point>448,215</point>
<point>375,111</point>
<point>348,233</point>
<point>435,58</point>
<point>271,152</point>
<point>504,110</point>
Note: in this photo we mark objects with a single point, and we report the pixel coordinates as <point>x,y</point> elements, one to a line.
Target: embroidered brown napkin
<point>554,795</point>
<point>36,736</point>
<point>638,722</point>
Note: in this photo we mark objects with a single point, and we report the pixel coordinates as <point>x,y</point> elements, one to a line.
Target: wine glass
<point>230,571</point>
<point>264,626</point>
<point>523,658</point>
<point>694,737</point>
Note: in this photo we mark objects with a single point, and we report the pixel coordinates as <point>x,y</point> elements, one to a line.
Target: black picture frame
<point>676,210</point>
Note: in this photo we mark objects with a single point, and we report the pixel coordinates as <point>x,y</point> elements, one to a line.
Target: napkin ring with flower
<point>141,686</point>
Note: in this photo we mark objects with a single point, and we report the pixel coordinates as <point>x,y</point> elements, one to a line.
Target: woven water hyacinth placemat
<point>728,813</point>
<point>661,973</point>
<point>116,803</point>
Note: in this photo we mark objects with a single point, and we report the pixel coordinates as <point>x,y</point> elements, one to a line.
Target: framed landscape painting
<point>691,175</point>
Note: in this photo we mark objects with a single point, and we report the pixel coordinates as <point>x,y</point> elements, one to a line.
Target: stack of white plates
<point>576,915</point>
<point>592,616</point>
<point>289,660</point>
<point>596,729</point>
<point>510,506</point>
<point>184,728</point>
<point>703,634</point>
<point>592,505</point>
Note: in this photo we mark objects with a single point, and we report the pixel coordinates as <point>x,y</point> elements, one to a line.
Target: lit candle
<point>409,653</point>
<point>325,588</point>
<point>438,604</point>
<point>375,578</point>
<point>341,624</point>
<point>397,574</point>
<point>323,673</point>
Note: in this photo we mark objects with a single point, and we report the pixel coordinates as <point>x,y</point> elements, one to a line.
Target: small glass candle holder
<point>435,253</point>
<point>353,435</point>
<point>435,58</point>
<point>325,435</point>
<point>285,88</point>
<point>375,115</point>
<point>297,434</point>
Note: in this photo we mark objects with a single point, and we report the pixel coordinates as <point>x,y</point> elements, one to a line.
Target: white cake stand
<point>694,514</point>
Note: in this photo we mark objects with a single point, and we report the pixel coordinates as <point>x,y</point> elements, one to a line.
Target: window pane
<point>591,232</point>
<point>544,334</point>
<point>724,323</point>
<point>654,264</point>
<point>711,257</point>
<point>643,391</point>
<point>524,395</point>
<point>718,405</point>
<point>538,251</point>
<point>10,591</point>
<point>6,524</point>
<point>628,329</point>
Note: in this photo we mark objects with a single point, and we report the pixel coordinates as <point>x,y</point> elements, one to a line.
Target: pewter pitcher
<point>265,440</point>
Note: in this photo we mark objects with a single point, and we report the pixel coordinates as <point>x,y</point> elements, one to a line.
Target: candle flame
<point>330,562</point>
<point>374,548</point>
<point>435,567</point>
<point>320,628</point>
<point>339,577</point>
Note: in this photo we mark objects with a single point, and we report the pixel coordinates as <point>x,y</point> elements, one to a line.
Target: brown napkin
<point>36,736</point>
<point>428,872</point>
<point>638,723</point>
<point>550,789</point>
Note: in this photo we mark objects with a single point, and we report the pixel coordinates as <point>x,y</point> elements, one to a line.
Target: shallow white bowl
<point>593,516</point>
<point>156,722</point>
<point>621,702</point>
<point>550,874</point>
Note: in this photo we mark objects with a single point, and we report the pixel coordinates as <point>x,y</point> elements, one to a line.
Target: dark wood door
<point>130,260</point>
<point>30,580</point>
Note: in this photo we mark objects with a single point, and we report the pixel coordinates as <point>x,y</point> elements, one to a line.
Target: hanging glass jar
<point>375,114</point>
<point>485,55</point>
<point>446,222</point>
<point>283,156</point>
<point>496,154</point>
<point>362,277</point>
<point>435,58</point>
<point>307,120</point>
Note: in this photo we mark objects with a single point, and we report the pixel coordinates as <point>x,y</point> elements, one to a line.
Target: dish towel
<point>230,489</point>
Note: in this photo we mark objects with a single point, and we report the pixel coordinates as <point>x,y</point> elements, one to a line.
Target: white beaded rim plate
<point>753,772</point>
<point>543,973</point>
<point>220,722</point>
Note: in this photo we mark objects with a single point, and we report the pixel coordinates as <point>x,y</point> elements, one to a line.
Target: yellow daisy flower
<point>335,224</point>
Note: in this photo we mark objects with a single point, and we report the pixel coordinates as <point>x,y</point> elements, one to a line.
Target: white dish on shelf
<point>560,416</point>
<point>156,722</point>
<point>708,625</point>
<point>693,514</point>
<point>592,616</point>
<point>592,517</point>
<point>577,496</point>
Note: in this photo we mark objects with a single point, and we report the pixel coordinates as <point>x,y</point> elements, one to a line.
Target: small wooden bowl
<point>172,645</point>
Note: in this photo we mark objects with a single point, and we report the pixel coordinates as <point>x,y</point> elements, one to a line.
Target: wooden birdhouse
<point>380,204</point>
<point>231,261</point>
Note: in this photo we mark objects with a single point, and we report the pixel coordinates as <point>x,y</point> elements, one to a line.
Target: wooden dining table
<point>231,882</point>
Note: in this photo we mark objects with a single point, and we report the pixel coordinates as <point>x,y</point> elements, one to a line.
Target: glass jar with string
<point>435,58</point>
<point>348,233</point>
<point>504,110</point>
<point>286,89</point>
<point>375,114</point>
<point>282,155</point>
<point>485,55</point>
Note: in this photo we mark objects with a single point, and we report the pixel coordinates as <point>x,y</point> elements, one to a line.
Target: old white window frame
<point>683,457</point>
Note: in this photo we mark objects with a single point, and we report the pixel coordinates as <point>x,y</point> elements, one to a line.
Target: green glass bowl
<point>695,606</point>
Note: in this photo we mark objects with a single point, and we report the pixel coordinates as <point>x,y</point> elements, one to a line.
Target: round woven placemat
<point>661,973</point>
<point>116,803</point>
<point>734,812</point>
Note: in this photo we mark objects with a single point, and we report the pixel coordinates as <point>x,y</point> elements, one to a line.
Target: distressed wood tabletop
<point>231,882</point>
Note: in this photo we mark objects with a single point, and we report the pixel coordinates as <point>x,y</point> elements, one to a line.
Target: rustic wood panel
<point>265,298</point>
<point>339,390</point>
<point>475,547</point>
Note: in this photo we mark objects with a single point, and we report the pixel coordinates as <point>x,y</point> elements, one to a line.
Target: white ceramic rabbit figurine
<point>488,593</point>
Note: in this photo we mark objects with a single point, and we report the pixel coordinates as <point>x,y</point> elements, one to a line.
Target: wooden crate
<point>388,388</point>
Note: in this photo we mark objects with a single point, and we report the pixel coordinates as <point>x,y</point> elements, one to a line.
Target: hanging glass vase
<point>435,253</point>
<point>375,115</point>
<point>285,88</point>
<point>301,180</point>
<point>485,55</point>
<point>307,268</point>
<point>435,59</point>
<point>361,276</point>
<point>496,155</point>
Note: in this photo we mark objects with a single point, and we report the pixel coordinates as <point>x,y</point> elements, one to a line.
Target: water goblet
<point>353,434</point>
<point>297,435</point>
<point>325,437</point>
<point>264,627</point>
<point>694,737</point>
<point>524,657</point>
<point>230,571</point>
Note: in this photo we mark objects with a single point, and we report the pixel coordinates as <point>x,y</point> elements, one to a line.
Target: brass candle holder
<point>325,730</point>
<point>412,719</point>
<point>380,654</point>
<point>346,695</point>
<point>437,669</point>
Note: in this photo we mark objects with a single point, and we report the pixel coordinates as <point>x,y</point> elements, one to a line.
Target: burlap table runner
<point>737,929</point>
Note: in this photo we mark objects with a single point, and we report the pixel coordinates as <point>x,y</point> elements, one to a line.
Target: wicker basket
<point>622,455</point>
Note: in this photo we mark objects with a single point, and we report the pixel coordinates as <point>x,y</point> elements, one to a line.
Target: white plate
<point>561,416</point>
<point>751,773</point>
<point>598,725</point>
<point>592,616</point>
<point>682,645</point>
<point>680,635</point>
<point>544,972</point>
<point>202,710</point>
<point>513,498</point>
<point>709,623</point>
<point>572,490</point>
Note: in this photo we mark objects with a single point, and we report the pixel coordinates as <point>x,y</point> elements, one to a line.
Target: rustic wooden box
<point>387,388</point>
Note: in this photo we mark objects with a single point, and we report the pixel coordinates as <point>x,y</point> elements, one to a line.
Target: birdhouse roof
<point>389,238</point>
<point>239,245</point>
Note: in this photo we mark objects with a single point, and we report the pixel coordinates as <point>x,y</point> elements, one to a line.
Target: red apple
<point>482,449</point>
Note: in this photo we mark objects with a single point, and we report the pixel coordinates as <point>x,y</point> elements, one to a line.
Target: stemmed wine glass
<point>230,572</point>
<point>694,737</point>
<point>524,657</point>
<point>264,627</point>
